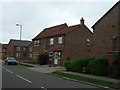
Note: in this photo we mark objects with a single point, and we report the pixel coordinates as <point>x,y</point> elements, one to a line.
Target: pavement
<point>47,69</point>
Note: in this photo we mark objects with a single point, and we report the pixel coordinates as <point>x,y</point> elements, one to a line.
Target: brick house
<point>30,52</point>
<point>56,42</point>
<point>106,37</point>
<point>4,51</point>
<point>50,41</point>
<point>18,49</point>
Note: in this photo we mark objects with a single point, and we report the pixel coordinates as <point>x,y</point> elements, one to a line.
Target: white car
<point>10,60</point>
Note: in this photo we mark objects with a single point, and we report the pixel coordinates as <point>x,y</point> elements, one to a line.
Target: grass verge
<point>25,65</point>
<point>89,80</point>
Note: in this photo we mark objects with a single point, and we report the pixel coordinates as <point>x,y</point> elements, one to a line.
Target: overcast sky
<point>35,16</point>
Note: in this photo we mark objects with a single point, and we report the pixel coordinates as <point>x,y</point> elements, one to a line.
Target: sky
<point>36,15</point>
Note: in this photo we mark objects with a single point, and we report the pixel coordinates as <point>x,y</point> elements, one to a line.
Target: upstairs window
<point>35,43</point>
<point>30,48</point>
<point>51,41</point>
<point>38,42</point>
<point>60,40</point>
<point>18,48</point>
<point>24,48</point>
<point>88,41</point>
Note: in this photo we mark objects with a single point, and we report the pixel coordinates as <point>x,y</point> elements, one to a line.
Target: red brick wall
<point>76,44</point>
<point>104,30</point>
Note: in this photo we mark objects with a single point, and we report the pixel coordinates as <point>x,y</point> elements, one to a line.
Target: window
<point>38,42</point>
<point>30,48</point>
<point>88,41</point>
<point>35,43</point>
<point>18,48</point>
<point>34,54</point>
<point>30,55</point>
<point>18,55</point>
<point>60,38</point>
<point>24,48</point>
<point>51,41</point>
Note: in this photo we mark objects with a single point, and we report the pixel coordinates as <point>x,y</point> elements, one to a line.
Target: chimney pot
<point>82,21</point>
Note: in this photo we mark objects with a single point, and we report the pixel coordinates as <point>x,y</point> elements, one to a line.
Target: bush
<point>115,67</point>
<point>69,65</point>
<point>43,59</point>
<point>81,63</point>
<point>87,69</point>
<point>99,66</point>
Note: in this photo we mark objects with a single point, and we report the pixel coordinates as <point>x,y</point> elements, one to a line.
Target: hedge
<point>115,67</point>
<point>81,63</point>
<point>69,65</point>
<point>99,66</point>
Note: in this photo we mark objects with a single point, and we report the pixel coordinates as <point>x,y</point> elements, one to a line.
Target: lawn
<point>89,80</point>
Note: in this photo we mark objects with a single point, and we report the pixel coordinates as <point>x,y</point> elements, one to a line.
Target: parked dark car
<point>10,60</point>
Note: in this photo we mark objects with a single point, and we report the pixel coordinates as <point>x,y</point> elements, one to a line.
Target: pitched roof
<point>55,30</point>
<point>51,31</point>
<point>20,42</point>
<point>4,45</point>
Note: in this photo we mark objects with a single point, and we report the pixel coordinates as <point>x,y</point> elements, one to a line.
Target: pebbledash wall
<point>106,33</point>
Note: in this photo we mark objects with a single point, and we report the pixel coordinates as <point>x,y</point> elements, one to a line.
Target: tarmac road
<point>15,76</point>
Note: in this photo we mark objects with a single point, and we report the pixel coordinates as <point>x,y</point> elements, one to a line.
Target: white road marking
<point>9,71</point>
<point>3,67</point>
<point>44,88</point>
<point>24,79</point>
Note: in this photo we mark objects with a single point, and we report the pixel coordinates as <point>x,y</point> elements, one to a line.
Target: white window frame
<point>24,48</point>
<point>60,40</point>
<point>18,55</point>
<point>35,42</point>
<point>30,49</point>
<point>51,41</point>
<point>30,55</point>
<point>18,48</point>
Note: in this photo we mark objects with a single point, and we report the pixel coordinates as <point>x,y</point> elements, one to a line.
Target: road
<point>15,76</point>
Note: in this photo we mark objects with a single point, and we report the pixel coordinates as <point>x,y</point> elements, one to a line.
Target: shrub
<point>87,69</point>
<point>115,67</point>
<point>69,65</point>
<point>42,59</point>
<point>99,66</point>
<point>81,63</point>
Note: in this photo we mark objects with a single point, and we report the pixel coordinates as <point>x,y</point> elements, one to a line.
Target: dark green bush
<point>69,65</point>
<point>43,59</point>
<point>87,69</point>
<point>115,67</point>
<point>81,63</point>
<point>99,66</point>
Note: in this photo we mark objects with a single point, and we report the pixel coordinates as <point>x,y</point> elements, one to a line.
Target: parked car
<point>10,60</point>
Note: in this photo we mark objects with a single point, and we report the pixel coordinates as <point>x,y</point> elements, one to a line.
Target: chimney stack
<point>82,21</point>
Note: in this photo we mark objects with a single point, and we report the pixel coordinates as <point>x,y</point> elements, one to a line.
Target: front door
<point>56,58</point>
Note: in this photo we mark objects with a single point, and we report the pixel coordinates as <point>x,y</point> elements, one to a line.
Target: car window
<point>11,58</point>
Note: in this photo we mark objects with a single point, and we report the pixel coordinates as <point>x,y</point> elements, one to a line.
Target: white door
<point>56,58</point>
